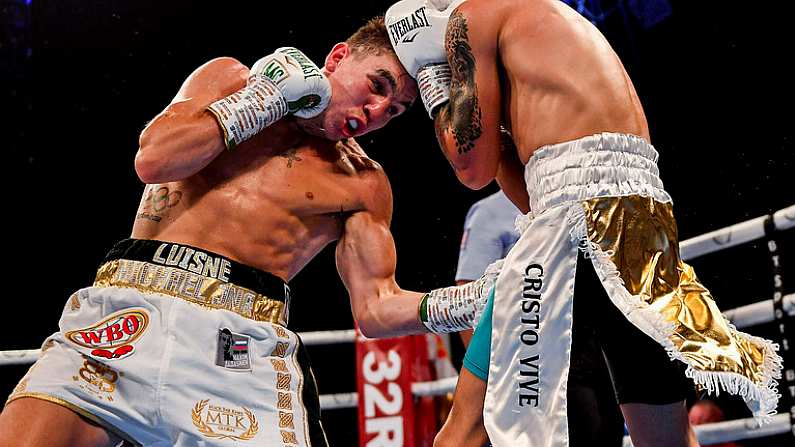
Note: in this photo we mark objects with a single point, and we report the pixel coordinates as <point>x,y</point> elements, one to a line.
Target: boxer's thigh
<point>593,412</point>
<point>29,422</point>
<point>640,368</point>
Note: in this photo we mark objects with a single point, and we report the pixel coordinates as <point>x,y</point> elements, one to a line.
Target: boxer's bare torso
<point>272,203</point>
<point>561,79</point>
<point>271,207</point>
<point>540,70</point>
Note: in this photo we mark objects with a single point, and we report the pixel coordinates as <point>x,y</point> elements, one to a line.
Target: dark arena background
<point>79,80</point>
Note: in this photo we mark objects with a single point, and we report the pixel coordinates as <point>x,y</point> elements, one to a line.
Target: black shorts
<point>639,368</point>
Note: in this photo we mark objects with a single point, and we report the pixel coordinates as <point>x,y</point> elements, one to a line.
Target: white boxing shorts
<point>601,197</point>
<point>177,346</point>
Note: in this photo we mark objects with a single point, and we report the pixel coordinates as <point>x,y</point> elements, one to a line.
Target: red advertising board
<point>389,415</point>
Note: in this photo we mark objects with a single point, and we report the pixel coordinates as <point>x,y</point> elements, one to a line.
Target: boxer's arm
<point>467,127</point>
<point>184,138</point>
<point>464,426</point>
<point>366,261</point>
<point>510,174</point>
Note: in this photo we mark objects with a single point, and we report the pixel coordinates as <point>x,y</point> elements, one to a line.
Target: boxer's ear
<point>337,54</point>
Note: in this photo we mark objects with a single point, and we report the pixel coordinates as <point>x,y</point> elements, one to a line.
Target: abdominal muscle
<point>246,224</point>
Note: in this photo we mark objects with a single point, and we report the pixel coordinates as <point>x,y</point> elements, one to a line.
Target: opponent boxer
<point>593,414</point>
<point>182,338</point>
<point>599,210</point>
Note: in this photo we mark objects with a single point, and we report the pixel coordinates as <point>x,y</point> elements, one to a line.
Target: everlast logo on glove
<point>400,29</point>
<point>417,31</point>
<point>275,71</point>
<point>308,67</point>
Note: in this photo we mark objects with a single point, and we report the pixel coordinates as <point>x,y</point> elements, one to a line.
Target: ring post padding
<point>783,323</point>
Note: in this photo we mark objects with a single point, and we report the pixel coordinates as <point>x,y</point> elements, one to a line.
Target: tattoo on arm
<point>463,113</point>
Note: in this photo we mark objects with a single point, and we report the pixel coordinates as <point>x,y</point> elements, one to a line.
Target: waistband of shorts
<point>196,275</point>
<point>601,165</point>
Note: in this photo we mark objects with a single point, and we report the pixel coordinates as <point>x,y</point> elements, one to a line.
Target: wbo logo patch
<point>112,338</point>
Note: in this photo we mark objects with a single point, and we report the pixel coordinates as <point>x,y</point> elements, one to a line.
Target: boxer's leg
<point>464,425</point>
<point>661,425</point>
<point>650,387</point>
<point>31,422</point>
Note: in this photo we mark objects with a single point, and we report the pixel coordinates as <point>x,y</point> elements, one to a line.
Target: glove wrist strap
<point>246,112</point>
<point>433,81</point>
<point>451,309</point>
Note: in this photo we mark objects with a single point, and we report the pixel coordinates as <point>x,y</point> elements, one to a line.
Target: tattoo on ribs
<point>290,155</point>
<point>465,118</point>
<point>158,199</point>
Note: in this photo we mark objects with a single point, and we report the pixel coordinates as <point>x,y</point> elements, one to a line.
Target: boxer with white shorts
<point>250,173</point>
<point>174,345</point>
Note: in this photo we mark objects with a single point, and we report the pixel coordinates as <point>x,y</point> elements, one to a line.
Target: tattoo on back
<point>465,118</point>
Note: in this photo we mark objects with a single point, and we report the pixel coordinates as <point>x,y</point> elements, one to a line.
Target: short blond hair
<point>371,38</point>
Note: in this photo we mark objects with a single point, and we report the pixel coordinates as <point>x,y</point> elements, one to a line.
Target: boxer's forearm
<point>460,159</point>
<point>178,143</point>
<point>510,177</point>
<point>471,147</point>
<point>391,315</point>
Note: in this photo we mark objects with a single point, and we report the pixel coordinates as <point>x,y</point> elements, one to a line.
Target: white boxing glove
<point>281,83</point>
<point>457,308</point>
<point>417,31</point>
<point>304,86</point>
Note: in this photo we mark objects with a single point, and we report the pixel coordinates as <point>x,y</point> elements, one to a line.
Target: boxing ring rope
<point>25,356</point>
<point>736,234</point>
<point>736,430</point>
<point>744,316</point>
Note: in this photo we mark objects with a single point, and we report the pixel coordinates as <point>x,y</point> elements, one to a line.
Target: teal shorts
<point>476,359</point>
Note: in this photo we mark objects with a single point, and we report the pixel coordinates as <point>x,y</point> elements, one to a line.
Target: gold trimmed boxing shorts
<point>601,197</point>
<point>178,346</point>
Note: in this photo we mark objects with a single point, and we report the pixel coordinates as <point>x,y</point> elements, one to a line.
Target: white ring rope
<point>744,316</point>
<point>759,313</point>
<point>350,400</point>
<point>736,430</point>
<point>25,356</point>
<point>735,234</point>
<point>328,337</point>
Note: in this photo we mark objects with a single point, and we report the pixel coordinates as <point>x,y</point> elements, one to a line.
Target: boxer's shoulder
<point>222,65</point>
<point>216,77</point>
<point>364,176</point>
<point>357,162</point>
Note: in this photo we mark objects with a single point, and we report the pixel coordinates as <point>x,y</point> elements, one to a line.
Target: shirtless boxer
<point>182,339</point>
<point>600,214</point>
